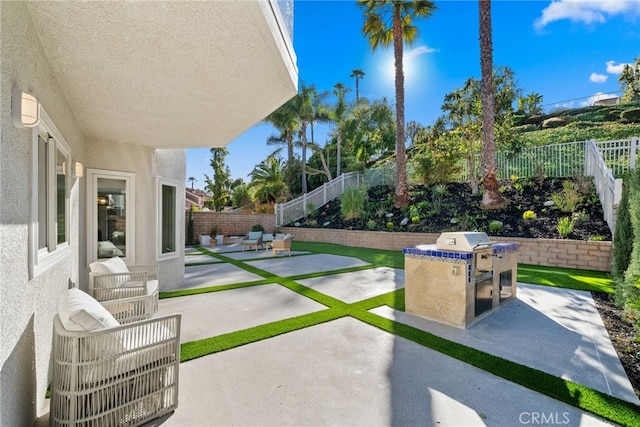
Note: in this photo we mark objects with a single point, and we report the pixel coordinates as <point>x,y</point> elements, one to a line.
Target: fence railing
<point>300,207</point>
<point>603,160</point>
<point>603,180</point>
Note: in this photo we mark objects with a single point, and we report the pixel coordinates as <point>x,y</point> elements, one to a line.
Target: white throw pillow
<point>79,311</point>
<point>114,265</point>
<point>288,236</point>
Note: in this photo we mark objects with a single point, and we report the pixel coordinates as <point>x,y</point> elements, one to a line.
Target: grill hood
<point>463,241</point>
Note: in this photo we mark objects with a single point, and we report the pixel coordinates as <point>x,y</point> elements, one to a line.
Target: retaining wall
<point>588,255</point>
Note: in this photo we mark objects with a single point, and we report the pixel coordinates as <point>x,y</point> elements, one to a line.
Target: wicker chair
<point>283,244</point>
<point>253,239</point>
<point>125,290</point>
<point>111,374</point>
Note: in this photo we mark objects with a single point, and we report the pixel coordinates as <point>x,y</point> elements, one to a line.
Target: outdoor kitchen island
<point>460,279</point>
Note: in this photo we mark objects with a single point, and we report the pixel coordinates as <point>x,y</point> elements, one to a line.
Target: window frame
<point>161,181</point>
<point>92,212</point>
<point>42,259</point>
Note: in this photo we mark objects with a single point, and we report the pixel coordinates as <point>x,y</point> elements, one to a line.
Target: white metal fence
<point>300,207</point>
<point>602,160</point>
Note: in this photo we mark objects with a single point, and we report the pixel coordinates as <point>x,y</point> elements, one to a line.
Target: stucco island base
<point>442,289</point>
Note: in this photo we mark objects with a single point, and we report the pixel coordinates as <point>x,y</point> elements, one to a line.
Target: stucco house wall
<point>28,304</point>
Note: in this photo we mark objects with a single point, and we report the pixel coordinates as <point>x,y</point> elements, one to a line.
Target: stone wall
<point>588,255</point>
<point>229,222</point>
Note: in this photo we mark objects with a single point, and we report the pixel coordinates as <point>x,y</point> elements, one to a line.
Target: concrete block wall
<point>587,255</point>
<point>227,222</point>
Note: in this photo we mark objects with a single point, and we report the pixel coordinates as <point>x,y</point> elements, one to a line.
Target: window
<point>111,215</point>
<point>167,218</point>
<point>49,239</point>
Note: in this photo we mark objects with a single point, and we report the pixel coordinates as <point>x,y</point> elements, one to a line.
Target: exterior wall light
<point>79,169</point>
<point>25,109</point>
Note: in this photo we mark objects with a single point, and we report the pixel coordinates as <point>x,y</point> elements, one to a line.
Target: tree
<point>268,182</point>
<point>357,74</point>
<point>285,120</point>
<point>338,114</point>
<point>192,179</point>
<point>220,184</point>
<point>388,21</point>
<point>491,197</point>
<point>530,104</point>
<point>370,130</point>
<point>629,81</point>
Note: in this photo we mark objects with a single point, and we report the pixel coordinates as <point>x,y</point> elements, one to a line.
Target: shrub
<point>622,235</point>
<point>528,215</point>
<point>555,122</point>
<point>629,288</point>
<point>565,226</point>
<point>371,224</point>
<point>597,238</point>
<point>390,225</point>
<point>415,219</point>
<point>190,227</point>
<point>568,199</point>
<point>580,216</point>
<point>257,227</point>
<point>495,226</point>
<point>630,116</point>
<point>352,202</point>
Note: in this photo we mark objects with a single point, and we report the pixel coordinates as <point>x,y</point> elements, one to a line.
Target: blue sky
<point>569,51</point>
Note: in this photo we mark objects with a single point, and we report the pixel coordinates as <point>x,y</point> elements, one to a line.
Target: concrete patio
<point>346,372</point>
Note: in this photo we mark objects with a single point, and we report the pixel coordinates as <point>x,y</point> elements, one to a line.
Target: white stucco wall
<point>147,164</point>
<point>27,305</point>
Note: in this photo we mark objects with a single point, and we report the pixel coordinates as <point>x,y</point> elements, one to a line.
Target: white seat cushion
<point>79,311</point>
<point>112,265</point>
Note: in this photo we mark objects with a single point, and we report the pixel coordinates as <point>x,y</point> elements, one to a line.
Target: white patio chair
<point>113,280</point>
<point>109,374</point>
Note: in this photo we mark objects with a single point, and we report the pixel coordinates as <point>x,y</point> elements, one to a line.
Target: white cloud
<point>420,50</point>
<point>612,68</point>
<point>586,11</point>
<point>597,97</point>
<point>598,78</point>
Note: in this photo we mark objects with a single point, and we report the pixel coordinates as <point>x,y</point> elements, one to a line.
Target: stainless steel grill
<point>481,247</point>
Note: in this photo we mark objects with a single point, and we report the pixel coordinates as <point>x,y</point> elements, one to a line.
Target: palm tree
<point>491,197</point>
<point>285,120</point>
<point>192,180</point>
<point>338,116</point>
<point>268,181</point>
<point>357,74</point>
<point>305,115</point>
<point>388,21</point>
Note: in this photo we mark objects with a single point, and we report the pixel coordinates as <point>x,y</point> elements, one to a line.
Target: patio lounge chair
<point>124,290</point>
<point>106,373</point>
<point>253,239</point>
<point>283,244</point>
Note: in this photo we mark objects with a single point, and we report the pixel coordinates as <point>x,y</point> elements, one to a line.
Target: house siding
<point>28,304</point>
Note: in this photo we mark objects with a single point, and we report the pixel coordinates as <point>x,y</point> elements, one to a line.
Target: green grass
<point>598,403</point>
<point>568,278</point>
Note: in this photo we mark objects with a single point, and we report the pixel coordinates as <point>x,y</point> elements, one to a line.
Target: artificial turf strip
<point>195,349</point>
<point>568,278</point>
<point>596,402</point>
<point>218,288</point>
<point>378,257</point>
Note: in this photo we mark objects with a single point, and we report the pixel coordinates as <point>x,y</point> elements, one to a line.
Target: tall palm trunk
<point>491,198</point>
<point>303,143</point>
<point>401,198</point>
